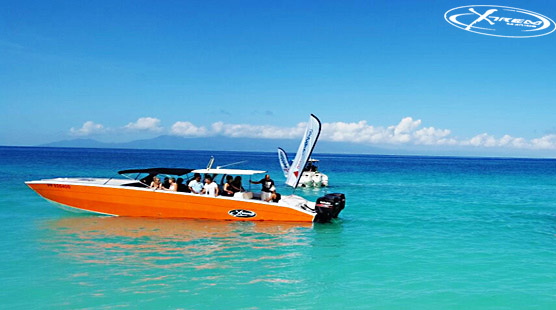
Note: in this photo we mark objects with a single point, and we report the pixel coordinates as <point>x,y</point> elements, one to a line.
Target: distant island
<point>219,143</point>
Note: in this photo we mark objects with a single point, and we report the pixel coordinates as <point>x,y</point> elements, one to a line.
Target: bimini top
<point>228,171</point>
<point>171,171</point>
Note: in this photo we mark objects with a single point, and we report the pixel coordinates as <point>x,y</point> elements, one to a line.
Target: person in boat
<point>181,186</point>
<point>274,196</point>
<point>172,185</point>
<point>310,167</point>
<point>267,183</point>
<point>236,185</point>
<point>156,183</point>
<point>210,188</point>
<point>166,183</point>
<point>227,189</point>
<point>195,185</point>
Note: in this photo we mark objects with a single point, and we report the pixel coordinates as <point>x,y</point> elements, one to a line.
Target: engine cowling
<point>329,206</point>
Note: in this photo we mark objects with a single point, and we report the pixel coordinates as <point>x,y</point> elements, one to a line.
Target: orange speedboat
<point>133,197</point>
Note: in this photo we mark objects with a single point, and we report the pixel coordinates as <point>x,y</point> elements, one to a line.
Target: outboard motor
<point>329,206</point>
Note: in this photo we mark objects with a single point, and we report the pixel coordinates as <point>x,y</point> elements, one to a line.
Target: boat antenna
<point>211,161</point>
<point>232,164</point>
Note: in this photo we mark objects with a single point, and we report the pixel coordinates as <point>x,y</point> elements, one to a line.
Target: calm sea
<point>417,233</point>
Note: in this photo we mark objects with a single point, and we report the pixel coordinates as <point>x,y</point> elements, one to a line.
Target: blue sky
<point>265,64</point>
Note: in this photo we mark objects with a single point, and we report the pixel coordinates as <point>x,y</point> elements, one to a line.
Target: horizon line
<point>269,152</point>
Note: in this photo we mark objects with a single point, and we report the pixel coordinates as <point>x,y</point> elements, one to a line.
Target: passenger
<point>274,196</point>
<point>267,184</point>
<point>166,183</point>
<point>173,186</point>
<point>227,190</point>
<point>181,186</point>
<point>236,185</point>
<point>156,183</point>
<point>210,188</point>
<point>312,167</point>
<point>195,185</point>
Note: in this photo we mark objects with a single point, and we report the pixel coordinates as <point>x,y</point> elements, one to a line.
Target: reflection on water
<point>165,257</point>
<point>167,243</point>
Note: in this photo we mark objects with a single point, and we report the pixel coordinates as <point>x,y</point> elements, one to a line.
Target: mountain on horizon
<point>218,143</point>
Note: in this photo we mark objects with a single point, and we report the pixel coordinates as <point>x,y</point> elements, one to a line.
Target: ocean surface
<point>417,233</point>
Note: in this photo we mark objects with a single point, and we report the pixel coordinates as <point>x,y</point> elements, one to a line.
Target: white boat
<point>311,176</point>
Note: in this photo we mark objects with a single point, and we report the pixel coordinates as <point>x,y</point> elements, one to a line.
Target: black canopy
<point>171,171</point>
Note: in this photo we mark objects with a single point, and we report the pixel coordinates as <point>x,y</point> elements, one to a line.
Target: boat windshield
<point>311,166</point>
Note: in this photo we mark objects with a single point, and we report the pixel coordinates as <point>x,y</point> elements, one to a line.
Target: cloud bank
<point>145,124</point>
<point>187,129</point>
<point>88,128</point>
<point>408,131</point>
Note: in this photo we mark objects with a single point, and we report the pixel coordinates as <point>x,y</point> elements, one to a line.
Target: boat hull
<point>313,179</point>
<point>145,202</point>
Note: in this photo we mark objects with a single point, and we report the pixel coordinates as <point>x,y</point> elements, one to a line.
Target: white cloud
<point>145,124</point>
<point>187,129</point>
<point>88,128</point>
<point>433,136</point>
<point>406,131</point>
<point>545,142</point>
<point>257,131</point>
<point>355,132</point>
<point>483,139</point>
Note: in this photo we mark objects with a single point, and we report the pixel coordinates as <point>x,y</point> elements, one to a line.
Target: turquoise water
<point>417,233</point>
